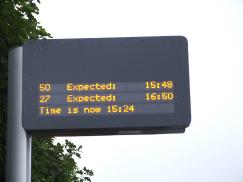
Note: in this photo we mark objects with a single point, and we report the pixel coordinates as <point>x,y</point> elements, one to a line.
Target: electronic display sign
<point>103,86</point>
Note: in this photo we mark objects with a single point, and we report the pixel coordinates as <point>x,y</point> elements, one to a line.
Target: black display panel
<point>99,86</point>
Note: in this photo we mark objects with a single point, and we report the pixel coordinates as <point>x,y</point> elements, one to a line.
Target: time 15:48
<point>158,85</point>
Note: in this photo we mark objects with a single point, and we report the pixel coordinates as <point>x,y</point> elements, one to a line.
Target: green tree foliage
<point>55,162</point>
<point>51,162</point>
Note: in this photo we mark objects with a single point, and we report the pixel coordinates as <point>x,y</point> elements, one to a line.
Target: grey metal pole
<point>18,142</point>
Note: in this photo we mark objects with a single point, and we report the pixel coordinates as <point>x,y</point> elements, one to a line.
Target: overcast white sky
<point>211,150</point>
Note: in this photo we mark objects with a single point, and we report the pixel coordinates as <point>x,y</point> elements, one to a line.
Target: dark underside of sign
<point>108,131</point>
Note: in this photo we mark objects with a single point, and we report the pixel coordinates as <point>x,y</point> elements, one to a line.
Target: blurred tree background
<point>50,162</point>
